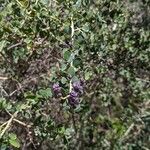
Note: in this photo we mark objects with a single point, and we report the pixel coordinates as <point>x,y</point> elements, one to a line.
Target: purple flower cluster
<point>76,91</point>
<point>77,86</point>
<point>73,98</point>
<point>56,89</point>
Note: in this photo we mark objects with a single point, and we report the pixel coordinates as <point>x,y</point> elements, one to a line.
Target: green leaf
<point>63,66</point>
<point>12,136</point>
<point>77,62</point>
<point>3,103</point>
<point>88,74</point>
<point>61,130</point>
<point>3,147</point>
<point>63,80</point>
<point>86,27</point>
<point>14,141</point>
<point>45,2</point>
<point>2,45</point>
<point>71,71</point>
<point>67,55</point>
<point>78,4</point>
<point>45,93</point>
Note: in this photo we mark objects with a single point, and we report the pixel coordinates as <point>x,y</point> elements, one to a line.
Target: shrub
<point>77,74</point>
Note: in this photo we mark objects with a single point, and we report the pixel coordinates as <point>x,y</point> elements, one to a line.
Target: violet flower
<point>77,86</point>
<point>56,89</point>
<point>73,98</point>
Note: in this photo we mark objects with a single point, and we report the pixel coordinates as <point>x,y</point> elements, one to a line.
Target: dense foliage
<point>74,74</point>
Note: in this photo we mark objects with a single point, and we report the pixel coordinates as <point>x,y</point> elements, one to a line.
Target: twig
<point>3,78</point>
<point>13,92</point>
<point>18,89</point>
<point>72,31</point>
<point>128,131</point>
<point>143,80</point>
<point>8,124</point>
<point>71,64</point>
<point>145,148</point>
<point>16,120</point>
<point>72,41</point>
<point>2,90</point>
<point>15,45</point>
<point>20,122</point>
<point>70,86</point>
<point>3,125</point>
<point>65,97</point>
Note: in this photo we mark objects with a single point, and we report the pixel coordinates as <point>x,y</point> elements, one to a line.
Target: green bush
<point>104,43</point>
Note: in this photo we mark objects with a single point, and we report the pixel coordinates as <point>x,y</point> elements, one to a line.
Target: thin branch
<point>128,131</point>
<point>20,122</point>
<point>18,89</point>
<point>2,90</point>
<point>72,41</point>
<point>3,78</point>
<point>16,120</point>
<point>145,148</point>
<point>70,86</point>
<point>8,124</point>
<point>72,31</point>
<point>3,125</point>
<point>65,97</point>
<point>14,45</point>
